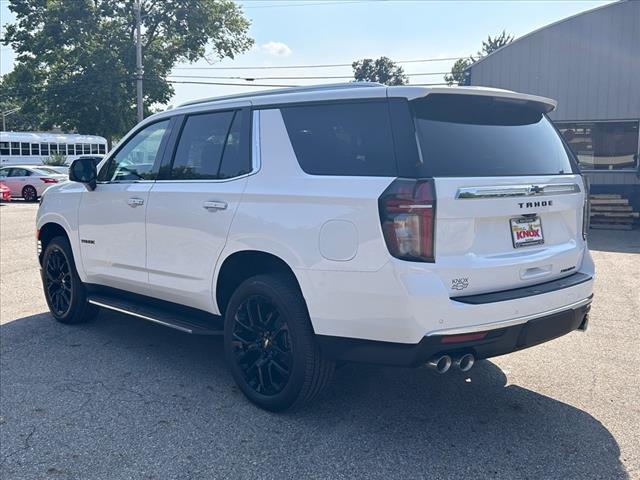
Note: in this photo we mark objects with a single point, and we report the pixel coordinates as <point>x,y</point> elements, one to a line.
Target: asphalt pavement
<point>120,398</point>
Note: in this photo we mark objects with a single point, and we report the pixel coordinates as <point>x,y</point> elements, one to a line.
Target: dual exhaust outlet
<point>443,363</point>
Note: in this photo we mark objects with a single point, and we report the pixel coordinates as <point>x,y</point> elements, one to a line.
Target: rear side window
<point>212,146</point>
<point>352,139</point>
<point>473,135</point>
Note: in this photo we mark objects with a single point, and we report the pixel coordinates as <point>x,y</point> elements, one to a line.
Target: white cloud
<point>277,49</point>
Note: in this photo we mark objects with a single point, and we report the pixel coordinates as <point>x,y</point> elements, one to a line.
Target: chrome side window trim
<point>501,191</point>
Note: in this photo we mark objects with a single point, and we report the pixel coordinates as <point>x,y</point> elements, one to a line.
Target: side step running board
<point>199,323</point>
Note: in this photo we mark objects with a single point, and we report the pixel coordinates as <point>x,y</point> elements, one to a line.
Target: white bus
<point>31,148</point>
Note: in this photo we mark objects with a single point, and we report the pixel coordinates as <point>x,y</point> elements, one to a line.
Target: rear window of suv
<point>351,139</point>
<point>473,135</point>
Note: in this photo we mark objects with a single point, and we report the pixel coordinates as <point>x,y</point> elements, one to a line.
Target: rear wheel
<point>64,291</point>
<point>270,344</point>
<point>29,193</point>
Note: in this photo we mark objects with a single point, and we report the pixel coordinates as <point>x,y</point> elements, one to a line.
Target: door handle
<point>213,205</point>
<point>135,202</point>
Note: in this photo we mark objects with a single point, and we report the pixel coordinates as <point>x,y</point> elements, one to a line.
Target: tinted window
<point>468,135</point>
<point>35,149</point>
<point>19,172</point>
<point>4,148</point>
<point>86,148</point>
<point>44,149</point>
<point>602,145</point>
<point>102,148</point>
<point>236,159</point>
<point>342,139</point>
<point>134,161</point>
<point>71,150</point>
<point>24,147</point>
<point>201,145</point>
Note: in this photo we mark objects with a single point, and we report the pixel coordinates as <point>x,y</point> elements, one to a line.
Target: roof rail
<point>310,88</point>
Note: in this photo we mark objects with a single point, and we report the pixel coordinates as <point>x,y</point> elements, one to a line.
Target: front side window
<point>602,145</point>
<point>134,161</point>
<point>342,139</point>
<point>201,146</point>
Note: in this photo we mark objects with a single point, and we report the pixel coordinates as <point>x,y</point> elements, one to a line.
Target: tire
<point>29,193</point>
<point>64,292</point>
<point>270,345</point>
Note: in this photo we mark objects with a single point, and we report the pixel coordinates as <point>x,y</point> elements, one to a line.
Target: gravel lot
<point>121,398</point>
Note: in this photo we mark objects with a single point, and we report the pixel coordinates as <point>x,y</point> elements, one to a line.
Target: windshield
<point>473,135</point>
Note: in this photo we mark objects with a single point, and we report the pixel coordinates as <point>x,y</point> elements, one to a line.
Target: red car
<point>5,193</point>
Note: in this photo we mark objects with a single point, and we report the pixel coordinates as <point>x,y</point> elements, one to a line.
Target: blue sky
<point>311,32</point>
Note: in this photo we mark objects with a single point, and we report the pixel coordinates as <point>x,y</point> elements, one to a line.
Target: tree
<point>382,70</point>
<point>75,60</point>
<point>458,75</point>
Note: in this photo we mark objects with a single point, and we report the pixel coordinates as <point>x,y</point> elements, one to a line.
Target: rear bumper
<point>498,341</point>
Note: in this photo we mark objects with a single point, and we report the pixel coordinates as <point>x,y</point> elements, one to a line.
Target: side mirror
<point>83,170</point>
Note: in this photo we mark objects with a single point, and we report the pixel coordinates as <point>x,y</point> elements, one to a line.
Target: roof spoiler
<point>543,104</point>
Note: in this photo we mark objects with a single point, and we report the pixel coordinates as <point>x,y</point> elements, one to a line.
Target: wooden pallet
<point>611,226</point>
<point>611,211</point>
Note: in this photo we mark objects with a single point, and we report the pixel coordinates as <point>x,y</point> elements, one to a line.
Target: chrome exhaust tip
<point>465,362</point>
<point>440,364</point>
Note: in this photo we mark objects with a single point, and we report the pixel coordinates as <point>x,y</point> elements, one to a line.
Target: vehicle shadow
<point>121,398</point>
<point>619,241</point>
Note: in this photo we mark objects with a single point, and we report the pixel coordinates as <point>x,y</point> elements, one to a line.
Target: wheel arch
<point>46,233</point>
<point>243,264</point>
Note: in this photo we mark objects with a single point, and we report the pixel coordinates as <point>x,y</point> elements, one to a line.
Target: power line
<point>326,65</point>
<point>247,7</point>
<point>327,77</point>
<point>228,83</point>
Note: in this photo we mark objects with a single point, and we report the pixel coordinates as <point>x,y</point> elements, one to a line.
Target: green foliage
<point>55,160</point>
<point>76,59</point>
<point>492,44</point>
<point>457,74</point>
<point>382,70</point>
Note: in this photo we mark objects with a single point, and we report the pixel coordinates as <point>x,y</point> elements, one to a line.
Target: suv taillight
<point>408,213</point>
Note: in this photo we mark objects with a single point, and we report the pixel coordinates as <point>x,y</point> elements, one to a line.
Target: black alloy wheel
<point>261,345</point>
<point>65,293</point>
<point>58,282</point>
<point>270,344</point>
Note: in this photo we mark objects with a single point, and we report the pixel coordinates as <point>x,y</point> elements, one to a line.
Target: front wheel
<point>270,344</point>
<point>63,290</point>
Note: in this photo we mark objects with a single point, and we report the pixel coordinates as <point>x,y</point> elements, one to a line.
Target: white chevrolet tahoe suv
<point>345,223</point>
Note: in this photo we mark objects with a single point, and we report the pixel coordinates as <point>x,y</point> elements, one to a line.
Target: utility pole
<point>139,70</point>
<point>4,117</point>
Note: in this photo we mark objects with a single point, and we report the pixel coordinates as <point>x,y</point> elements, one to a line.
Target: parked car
<point>5,193</point>
<point>29,182</point>
<point>393,225</point>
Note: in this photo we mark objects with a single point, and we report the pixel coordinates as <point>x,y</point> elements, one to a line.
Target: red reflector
<point>466,337</point>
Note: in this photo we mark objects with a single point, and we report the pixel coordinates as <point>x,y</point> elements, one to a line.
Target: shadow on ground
<point>620,241</point>
<point>121,398</point>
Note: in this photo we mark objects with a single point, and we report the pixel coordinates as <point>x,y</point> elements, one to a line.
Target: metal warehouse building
<point>589,63</point>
